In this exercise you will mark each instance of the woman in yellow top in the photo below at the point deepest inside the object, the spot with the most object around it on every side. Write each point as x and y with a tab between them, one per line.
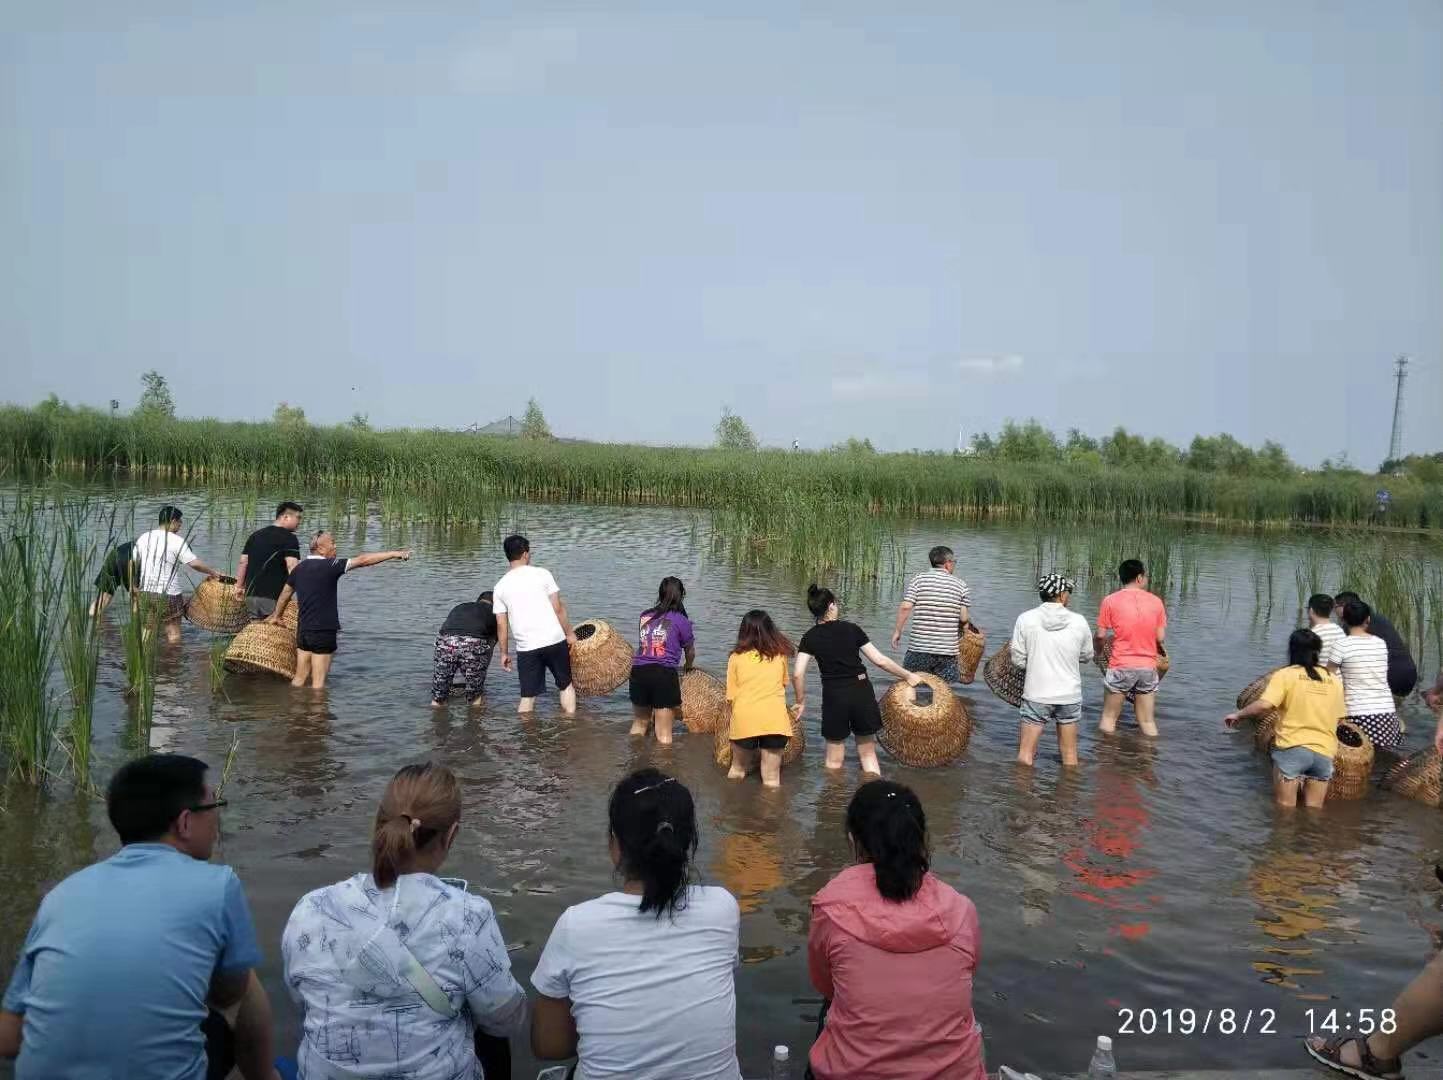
1310	704
757	691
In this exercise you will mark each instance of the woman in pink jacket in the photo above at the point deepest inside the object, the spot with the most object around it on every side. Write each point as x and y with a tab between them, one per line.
893	950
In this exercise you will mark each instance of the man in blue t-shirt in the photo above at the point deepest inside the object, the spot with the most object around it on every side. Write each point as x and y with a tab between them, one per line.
141	965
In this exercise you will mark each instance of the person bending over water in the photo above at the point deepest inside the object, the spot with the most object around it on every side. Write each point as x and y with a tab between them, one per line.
640	984
1136	621
1362	659
1052	643
1310	704
757	690
399	972
936	602
893	950
314	585
849	704
464	643
119	570
664	643
529	608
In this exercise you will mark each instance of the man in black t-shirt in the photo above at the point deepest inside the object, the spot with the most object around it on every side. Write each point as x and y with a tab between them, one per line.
314	583
269	556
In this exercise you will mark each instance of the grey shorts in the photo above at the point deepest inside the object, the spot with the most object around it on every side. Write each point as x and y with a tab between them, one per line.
1033	712
1302	763
260	606
1133	680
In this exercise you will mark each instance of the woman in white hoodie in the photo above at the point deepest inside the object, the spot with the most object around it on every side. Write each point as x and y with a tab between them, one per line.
1052	643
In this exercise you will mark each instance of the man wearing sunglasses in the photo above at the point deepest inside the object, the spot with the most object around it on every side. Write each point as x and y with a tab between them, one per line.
142	965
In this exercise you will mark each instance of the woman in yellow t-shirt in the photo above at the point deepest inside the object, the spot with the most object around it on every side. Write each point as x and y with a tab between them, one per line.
757	691
1310	705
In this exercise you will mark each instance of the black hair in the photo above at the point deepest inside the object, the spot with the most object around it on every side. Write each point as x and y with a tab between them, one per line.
669	596
147	795
1320	604
889	830
759	634
515	546
1343	597
819	600
1304	648
1356	613
169	513
939	555
653	822
485	598
1131	570
289	507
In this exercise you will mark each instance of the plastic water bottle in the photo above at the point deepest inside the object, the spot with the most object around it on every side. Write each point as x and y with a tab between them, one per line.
781	1064
1103	1067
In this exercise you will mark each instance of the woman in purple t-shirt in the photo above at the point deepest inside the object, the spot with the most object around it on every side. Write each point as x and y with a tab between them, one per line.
664	645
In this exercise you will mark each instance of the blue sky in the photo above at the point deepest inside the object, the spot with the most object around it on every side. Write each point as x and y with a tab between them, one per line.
1180	217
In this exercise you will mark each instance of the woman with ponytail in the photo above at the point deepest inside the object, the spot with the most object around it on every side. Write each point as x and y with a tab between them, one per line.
849	704
665	645
398	971
639	983
893	950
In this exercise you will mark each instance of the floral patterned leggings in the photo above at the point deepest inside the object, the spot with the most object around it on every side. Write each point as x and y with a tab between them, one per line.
470	654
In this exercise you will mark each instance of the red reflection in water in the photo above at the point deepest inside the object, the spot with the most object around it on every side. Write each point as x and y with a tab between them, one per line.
1112	839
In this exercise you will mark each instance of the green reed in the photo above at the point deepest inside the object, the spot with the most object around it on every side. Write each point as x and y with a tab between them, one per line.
79	645
32	604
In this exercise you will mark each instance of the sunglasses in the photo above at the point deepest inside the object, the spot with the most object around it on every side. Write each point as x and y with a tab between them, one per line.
202	807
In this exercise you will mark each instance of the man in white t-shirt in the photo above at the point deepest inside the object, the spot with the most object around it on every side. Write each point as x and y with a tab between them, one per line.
161	553
527	604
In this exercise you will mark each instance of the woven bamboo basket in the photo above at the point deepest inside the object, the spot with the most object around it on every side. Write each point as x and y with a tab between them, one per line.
925	736
263	648
1004	678
1352	764
291	617
1418	777
703	703
1265	724
971	646
722	743
600	659
214	607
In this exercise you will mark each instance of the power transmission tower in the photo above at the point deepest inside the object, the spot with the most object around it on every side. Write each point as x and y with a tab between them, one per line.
1395	445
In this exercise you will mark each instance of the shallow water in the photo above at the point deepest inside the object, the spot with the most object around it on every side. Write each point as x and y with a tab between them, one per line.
1156	876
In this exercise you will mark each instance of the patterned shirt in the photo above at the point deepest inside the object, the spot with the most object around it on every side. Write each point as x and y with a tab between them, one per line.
344	958
937	600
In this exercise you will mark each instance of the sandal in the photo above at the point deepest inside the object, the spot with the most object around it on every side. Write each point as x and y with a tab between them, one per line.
1329	1052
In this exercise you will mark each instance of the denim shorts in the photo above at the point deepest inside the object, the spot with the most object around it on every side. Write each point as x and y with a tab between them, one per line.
1302	763
1034	713
943	665
1131	680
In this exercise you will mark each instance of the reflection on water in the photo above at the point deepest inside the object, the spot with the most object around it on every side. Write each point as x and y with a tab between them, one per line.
1156	873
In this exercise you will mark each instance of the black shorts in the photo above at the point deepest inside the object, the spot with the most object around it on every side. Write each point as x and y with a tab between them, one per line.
532	666
655	686
115	574
849	708
762	742
316	641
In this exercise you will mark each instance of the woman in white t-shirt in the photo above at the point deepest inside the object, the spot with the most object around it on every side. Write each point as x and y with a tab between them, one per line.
1362	659
640	983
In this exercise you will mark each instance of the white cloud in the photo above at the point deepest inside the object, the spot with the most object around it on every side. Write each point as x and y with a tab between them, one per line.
990	365
898	386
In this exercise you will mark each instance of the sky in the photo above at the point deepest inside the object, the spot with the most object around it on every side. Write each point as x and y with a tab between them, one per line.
1181	217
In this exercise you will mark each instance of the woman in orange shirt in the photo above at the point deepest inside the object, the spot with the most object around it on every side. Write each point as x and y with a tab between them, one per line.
757	691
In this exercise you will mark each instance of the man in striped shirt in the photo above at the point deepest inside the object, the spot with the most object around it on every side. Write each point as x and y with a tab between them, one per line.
936	602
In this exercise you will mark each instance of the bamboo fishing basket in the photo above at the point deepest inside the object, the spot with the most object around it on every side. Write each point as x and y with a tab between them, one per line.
1265	725
925	736
703	703
1003	677
600	659
214	607
263	648
1418	777
1352	764
971	646
291	617
796	743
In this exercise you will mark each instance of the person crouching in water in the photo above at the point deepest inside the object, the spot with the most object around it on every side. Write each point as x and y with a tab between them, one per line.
665	645
757	690
849	704
1052	643
1310	703
464	642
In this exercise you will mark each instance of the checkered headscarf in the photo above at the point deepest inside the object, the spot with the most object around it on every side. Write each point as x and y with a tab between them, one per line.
1055	585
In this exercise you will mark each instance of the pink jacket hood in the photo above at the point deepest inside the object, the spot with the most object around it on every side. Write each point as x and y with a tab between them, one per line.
933	917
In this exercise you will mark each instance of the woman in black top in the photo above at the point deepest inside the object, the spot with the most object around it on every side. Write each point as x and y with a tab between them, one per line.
464	641
849	705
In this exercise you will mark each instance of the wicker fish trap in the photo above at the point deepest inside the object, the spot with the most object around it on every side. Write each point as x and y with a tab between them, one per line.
600	659
1352	764
703	703
796	743
1003	677
925	736
971	646
214	607
1418	777
263	648
1265	725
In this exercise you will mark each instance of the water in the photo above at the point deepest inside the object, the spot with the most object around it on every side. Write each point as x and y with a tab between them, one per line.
1155	877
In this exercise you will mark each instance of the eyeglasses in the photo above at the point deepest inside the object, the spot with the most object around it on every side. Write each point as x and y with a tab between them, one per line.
200	808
